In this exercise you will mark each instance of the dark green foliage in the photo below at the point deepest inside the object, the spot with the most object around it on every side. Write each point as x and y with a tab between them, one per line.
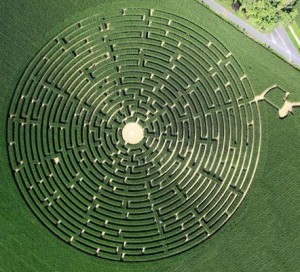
236	6
267	14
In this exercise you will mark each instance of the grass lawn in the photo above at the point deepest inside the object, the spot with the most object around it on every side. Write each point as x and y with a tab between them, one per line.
294	33
262	235
298	17
294	30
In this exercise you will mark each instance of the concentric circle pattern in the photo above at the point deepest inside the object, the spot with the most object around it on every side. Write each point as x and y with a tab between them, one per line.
163	195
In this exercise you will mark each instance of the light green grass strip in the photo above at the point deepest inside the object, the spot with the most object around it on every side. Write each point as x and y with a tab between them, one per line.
292	38
295	34
296	28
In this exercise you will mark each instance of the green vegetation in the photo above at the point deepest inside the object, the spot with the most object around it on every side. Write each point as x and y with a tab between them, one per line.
292	37
262	234
293	29
266	14
164	63
298	16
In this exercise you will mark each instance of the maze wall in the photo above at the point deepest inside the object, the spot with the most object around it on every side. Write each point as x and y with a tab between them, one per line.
159	197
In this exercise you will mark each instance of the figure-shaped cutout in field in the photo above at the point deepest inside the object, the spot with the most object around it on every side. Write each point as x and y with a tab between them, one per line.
278	98
114	195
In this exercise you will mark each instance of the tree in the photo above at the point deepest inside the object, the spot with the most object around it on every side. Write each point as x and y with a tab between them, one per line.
267	14
236	6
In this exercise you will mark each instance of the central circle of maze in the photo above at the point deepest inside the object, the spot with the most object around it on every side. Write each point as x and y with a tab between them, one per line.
176	187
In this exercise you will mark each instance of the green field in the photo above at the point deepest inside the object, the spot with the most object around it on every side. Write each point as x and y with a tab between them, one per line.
166	67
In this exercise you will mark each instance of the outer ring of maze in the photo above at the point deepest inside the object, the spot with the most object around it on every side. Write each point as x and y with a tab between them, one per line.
164	195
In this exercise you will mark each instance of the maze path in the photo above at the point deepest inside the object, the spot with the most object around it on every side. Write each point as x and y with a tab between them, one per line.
169	192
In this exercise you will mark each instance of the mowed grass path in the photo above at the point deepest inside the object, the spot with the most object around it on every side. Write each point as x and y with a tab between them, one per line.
261	236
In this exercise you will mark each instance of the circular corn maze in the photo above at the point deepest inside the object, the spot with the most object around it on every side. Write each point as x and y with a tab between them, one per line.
153	191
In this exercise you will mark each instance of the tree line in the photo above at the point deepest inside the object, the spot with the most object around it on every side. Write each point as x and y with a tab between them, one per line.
266	14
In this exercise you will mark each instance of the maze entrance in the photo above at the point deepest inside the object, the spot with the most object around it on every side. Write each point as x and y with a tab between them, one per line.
194	149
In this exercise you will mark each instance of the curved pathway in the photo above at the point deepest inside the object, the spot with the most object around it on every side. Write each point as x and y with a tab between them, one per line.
278	40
